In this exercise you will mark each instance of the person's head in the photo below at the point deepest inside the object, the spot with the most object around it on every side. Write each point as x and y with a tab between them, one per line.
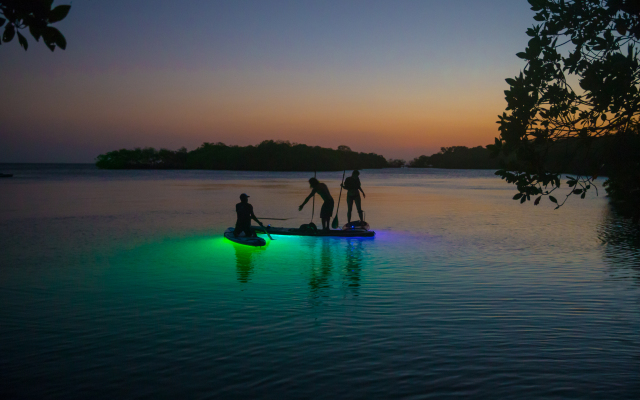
313	182
244	198
355	173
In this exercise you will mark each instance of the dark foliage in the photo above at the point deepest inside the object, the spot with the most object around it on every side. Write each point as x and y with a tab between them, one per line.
36	15
591	43
457	157
267	156
396	163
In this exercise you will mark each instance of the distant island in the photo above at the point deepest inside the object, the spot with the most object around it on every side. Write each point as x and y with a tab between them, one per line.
281	155
568	155
457	157
269	155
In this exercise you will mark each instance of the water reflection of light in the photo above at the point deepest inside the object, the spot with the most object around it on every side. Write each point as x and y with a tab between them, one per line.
320	272
621	238
353	267
244	264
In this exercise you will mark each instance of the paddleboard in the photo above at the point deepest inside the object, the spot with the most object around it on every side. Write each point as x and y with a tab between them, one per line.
356	226
320	233
242	239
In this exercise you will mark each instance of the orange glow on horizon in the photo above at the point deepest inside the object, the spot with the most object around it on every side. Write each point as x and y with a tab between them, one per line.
391	118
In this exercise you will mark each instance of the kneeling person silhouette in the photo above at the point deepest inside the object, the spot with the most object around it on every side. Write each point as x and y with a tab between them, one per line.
245	215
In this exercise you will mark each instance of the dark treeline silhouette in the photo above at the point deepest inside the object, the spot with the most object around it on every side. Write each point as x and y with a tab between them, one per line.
569	156
267	156
457	157
396	163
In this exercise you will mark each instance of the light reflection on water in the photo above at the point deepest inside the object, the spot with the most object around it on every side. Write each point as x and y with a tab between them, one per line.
119	283
621	239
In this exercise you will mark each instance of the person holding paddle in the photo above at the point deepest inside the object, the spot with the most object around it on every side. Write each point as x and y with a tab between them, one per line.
352	184
327	207
245	215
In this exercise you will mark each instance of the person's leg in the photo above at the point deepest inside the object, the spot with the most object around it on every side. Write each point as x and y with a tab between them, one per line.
359	207
237	230
349	207
330	214
325	214
242	228
248	232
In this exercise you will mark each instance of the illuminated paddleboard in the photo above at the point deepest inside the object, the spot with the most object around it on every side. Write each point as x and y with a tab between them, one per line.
320	233
242	239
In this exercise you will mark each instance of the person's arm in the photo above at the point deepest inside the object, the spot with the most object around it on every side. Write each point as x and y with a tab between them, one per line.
307	200
346	184
360	188
253	217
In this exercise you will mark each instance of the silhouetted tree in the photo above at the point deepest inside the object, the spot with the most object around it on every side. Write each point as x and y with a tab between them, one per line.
37	15
420	162
396	163
457	157
585	43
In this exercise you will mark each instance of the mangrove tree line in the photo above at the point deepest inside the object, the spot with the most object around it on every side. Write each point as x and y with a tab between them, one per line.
581	86
267	156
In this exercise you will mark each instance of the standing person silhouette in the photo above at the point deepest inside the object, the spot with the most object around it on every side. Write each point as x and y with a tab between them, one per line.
245	215
327	207
352	184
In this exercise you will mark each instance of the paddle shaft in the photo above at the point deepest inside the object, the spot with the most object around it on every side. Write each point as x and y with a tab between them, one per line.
335	220
313	207
265	230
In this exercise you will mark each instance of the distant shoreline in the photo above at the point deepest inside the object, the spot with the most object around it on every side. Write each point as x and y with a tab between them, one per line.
277	156
267	156
272	155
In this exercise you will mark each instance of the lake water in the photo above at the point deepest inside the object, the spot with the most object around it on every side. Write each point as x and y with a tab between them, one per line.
119	284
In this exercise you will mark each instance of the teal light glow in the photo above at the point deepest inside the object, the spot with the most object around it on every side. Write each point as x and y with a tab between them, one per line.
459	286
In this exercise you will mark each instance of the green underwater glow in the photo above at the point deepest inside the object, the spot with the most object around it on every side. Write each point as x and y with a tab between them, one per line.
459	289
201	262
217	260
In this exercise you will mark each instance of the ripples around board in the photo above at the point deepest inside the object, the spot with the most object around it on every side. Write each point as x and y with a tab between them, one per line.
122	286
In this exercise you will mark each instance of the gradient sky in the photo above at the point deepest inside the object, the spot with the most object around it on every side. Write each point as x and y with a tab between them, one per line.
399	78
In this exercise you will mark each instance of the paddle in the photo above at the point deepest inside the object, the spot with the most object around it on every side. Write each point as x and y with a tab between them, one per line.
265	230
335	222
313	208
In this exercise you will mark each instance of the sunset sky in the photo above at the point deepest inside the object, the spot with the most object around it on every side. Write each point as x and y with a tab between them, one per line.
399	78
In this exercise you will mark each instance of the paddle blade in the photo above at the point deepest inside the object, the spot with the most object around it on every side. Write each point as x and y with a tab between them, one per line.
335	222
265	231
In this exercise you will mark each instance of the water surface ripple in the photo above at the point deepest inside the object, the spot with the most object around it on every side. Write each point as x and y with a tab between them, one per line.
119	284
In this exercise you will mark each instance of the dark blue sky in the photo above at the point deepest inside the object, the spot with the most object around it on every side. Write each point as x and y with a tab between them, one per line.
401	78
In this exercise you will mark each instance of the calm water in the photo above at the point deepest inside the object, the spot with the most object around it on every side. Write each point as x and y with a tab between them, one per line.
119	284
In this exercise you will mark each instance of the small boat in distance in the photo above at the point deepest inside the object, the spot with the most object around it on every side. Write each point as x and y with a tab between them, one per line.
242	239
5	175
